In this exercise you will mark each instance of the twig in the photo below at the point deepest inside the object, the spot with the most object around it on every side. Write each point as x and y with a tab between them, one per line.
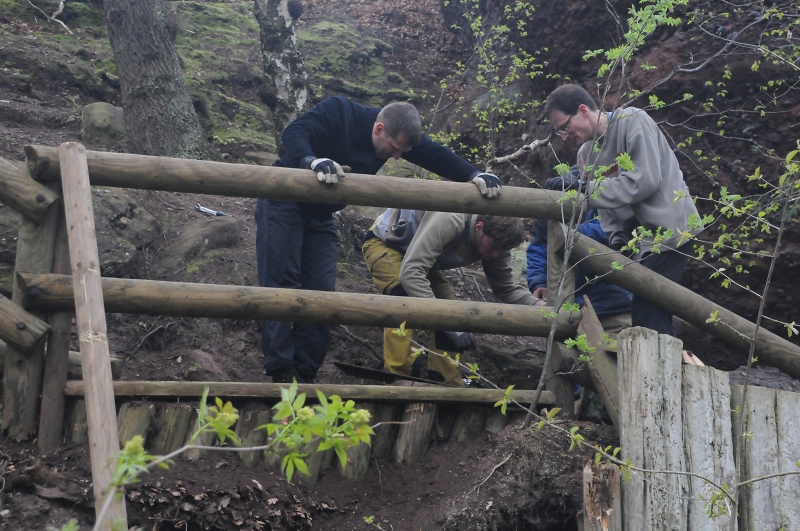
362	341
477	286
53	18
518	153
153	331
501	463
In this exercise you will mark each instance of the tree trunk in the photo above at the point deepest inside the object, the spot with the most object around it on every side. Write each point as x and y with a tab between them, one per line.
285	89
159	115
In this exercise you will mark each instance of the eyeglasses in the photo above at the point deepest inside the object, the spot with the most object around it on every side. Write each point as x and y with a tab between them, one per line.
563	129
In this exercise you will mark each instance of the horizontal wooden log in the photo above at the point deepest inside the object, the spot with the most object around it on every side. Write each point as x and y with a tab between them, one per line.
124	170
75	372
20	329
53	292
28	197
771	349
362	393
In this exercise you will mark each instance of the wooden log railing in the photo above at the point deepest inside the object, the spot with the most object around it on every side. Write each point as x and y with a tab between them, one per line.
54	292
243	180
359	393
684	303
23	194
20	329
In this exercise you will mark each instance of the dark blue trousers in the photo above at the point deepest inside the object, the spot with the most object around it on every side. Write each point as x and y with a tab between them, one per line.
670	264
294	251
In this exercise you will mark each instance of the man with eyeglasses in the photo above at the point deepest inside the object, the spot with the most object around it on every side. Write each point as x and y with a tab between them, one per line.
653	194
406	252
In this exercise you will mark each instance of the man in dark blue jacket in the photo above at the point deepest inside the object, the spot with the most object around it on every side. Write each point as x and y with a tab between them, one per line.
611	303
296	241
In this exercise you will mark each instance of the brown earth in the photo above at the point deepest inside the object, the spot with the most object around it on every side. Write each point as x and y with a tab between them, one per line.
457	485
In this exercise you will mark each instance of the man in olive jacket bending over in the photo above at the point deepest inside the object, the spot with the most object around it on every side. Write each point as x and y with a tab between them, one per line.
406	252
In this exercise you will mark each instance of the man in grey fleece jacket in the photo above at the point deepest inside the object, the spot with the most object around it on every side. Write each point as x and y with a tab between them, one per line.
652	194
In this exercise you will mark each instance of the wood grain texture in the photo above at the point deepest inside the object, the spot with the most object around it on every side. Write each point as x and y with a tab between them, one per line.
23	194
651	429
366	393
602	367
707	439
771	349
23	372
241	302
91	320
124	170
414	434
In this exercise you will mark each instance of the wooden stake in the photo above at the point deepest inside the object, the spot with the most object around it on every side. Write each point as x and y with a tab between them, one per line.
358	456
602	366
602	503
414	434
134	419
23	372
56	361
383	440
100	410
172	424
250	418
469	423
563	389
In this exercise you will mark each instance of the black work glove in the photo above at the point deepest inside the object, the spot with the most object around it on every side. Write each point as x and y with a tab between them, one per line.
618	241
456	341
568	181
327	171
488	184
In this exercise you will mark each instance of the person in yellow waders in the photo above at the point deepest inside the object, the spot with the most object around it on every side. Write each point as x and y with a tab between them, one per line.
406	252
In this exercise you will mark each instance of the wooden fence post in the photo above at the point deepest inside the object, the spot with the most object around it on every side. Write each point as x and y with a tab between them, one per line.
90	311
563	389
56	361
602	503
651	429
23	372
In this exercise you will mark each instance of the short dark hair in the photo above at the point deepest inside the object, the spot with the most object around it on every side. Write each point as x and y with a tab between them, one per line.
401	118
567	99
506	233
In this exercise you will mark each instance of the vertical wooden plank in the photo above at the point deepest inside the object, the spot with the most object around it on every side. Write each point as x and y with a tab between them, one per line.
708	442
77	430
250	418
172	425
56	361
414	432
204	439
651	429
358	456
602	504
788	422
90	312
760	501
602	367
469	423
22	376
383	440
563	389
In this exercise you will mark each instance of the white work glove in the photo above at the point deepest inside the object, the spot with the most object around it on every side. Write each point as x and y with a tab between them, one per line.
488	184
328	171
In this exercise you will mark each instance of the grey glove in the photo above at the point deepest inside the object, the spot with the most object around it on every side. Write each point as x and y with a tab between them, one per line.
461	341
488	184
328	171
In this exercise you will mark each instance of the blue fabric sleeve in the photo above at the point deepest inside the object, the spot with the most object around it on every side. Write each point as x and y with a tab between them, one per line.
536	269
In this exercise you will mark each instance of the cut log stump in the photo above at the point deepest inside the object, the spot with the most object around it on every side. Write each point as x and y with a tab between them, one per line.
414	432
